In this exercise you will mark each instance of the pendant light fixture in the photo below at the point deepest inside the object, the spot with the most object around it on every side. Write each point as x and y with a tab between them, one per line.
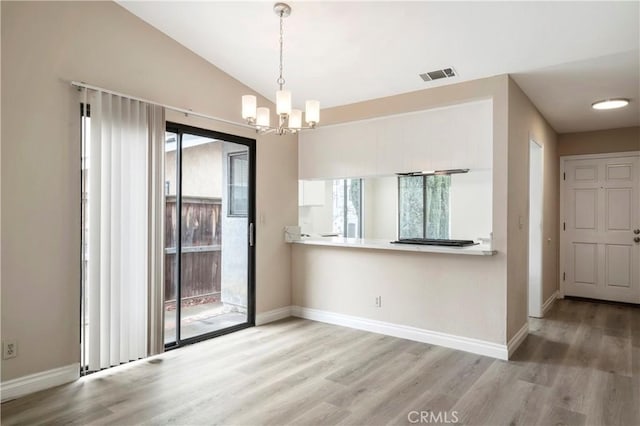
289	119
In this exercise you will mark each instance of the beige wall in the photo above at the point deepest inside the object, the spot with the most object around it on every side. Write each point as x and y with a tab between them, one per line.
461	295
44	46
600	141
201	170
526	123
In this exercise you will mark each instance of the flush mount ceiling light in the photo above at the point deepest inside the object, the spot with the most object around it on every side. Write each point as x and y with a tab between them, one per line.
610	103
289	120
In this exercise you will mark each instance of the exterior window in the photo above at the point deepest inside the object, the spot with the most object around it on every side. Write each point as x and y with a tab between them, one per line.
423	206
347	207
238	183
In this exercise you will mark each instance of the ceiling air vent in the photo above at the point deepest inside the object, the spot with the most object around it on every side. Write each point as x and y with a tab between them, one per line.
438	74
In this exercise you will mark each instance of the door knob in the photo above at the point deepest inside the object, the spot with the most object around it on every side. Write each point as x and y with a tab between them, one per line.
636	231
637	239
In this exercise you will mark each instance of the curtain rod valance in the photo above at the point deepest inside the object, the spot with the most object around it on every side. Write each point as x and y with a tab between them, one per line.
81	85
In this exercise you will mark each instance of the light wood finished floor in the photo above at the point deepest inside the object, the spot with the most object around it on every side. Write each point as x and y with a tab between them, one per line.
579	366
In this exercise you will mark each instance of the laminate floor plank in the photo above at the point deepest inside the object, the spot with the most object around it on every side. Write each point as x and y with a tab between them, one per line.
280	410
360	366
492	396
221	400
615	357
611	400
369	391
275	385
534	406
322	414
577	371
579	366
404	392
437	408
561	416
374	383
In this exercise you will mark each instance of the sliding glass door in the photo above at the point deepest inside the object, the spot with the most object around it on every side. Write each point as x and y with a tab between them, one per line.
209	216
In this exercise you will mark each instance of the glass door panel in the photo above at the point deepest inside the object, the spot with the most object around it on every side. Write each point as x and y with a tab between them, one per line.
211	276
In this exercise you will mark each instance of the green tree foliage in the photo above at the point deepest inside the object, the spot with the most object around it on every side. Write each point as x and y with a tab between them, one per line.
420	221
355	195
411	206
438	206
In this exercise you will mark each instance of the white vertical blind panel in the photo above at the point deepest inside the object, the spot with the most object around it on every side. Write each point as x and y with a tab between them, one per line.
118	235
111	317
105	230
155	276
94	253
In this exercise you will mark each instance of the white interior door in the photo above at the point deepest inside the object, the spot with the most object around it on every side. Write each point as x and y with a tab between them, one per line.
601	228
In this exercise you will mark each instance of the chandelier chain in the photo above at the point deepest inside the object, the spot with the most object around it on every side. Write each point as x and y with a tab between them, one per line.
281	79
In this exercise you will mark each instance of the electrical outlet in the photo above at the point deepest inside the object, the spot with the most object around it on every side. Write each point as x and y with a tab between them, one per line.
378	301
9	349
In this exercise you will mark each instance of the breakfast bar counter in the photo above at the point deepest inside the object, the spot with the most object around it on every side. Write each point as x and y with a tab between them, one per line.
365	243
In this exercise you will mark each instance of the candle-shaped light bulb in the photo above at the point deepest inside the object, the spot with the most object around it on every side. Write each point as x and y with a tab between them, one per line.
249	107
263	116
312	112
283	102
295	119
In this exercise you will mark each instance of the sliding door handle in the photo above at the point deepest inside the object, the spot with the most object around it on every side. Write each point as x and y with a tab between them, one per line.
251	235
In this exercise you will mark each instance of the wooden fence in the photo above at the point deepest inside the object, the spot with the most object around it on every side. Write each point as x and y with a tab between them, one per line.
201	242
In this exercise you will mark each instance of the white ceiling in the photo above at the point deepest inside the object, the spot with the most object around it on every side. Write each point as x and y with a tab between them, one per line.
564	55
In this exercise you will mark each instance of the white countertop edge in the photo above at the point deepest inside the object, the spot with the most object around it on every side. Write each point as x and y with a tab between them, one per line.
477	250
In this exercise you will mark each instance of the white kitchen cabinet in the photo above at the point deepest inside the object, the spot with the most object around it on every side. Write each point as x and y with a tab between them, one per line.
311	192
457	136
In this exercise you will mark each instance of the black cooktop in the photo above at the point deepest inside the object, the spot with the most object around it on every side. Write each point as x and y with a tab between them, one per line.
434	242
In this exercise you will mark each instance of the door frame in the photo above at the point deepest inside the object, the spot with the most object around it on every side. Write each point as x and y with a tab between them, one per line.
537	289
563	196
179	128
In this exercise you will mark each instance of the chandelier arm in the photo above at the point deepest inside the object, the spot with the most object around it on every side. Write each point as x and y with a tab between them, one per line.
265	130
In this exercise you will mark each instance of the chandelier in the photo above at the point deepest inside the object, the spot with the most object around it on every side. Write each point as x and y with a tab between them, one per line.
289	119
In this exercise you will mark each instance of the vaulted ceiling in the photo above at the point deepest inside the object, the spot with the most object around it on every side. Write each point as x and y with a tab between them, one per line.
564	55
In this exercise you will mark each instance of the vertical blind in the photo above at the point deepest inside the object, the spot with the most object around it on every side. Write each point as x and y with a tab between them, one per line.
120	201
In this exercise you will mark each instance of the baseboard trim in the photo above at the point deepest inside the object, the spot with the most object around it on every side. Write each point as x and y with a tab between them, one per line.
517	340
15	388
549	303
466	344
273	315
